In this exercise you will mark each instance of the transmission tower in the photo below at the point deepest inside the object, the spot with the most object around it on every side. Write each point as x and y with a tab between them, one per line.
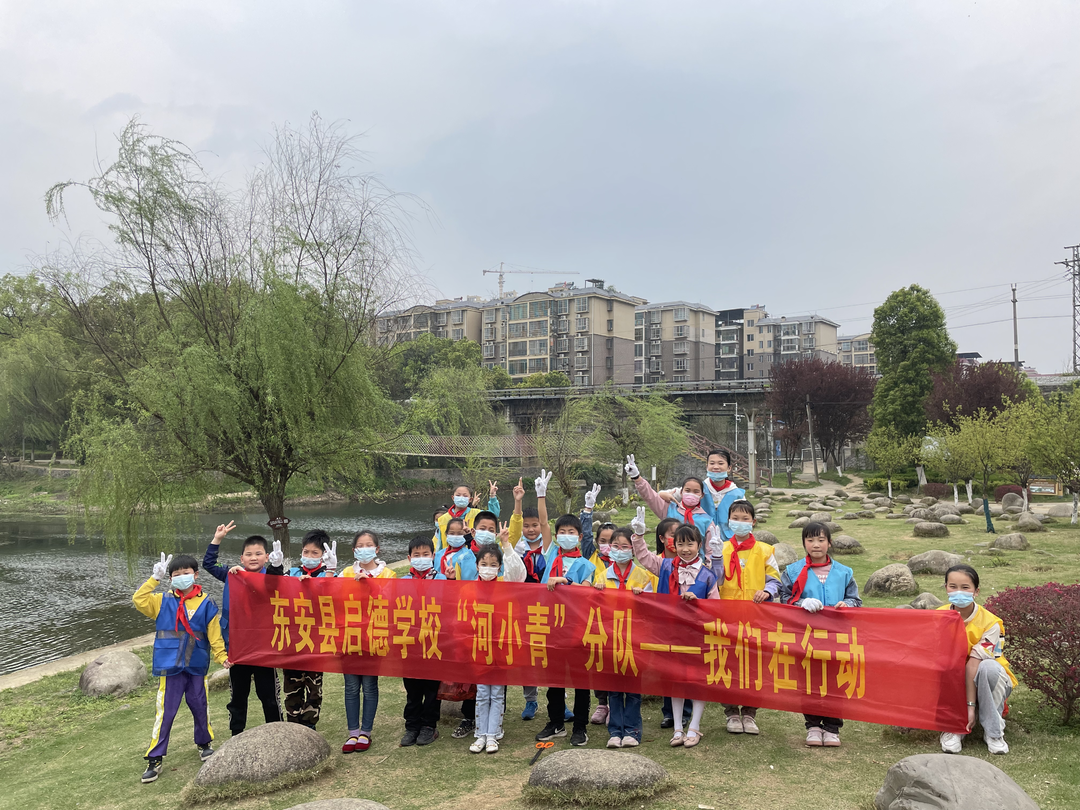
1073	267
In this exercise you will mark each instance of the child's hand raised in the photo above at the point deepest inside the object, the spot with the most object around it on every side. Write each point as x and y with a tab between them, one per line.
452	573
493	489
631	467
161	567
222	530
236	569
541	483
638	523
504	534
591	495
476	499
519	491
276	558
329	557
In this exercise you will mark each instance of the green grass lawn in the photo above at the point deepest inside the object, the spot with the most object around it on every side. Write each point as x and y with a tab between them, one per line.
59	749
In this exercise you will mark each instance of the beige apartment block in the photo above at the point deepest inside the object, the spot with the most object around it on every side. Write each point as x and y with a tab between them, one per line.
674	341
768	341
857	351
456	319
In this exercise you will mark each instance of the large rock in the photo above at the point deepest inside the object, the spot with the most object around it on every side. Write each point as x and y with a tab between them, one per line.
1011	542
898	516
949	782
933	562
951	520
1059	510
926	601
785	555
821	517
798	523
1028	522
845	544
850	516
218	680
340	804
117	672
892	580
940	509
1010	499
587	775
923	514
869	514
268	753
927	529
765	537
966	509
902	499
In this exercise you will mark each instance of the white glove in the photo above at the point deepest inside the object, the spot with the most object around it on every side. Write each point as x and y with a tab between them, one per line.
522	547
590	496
638	523
811	605
677	495
329	557
631	467
161	567
276	557
541	483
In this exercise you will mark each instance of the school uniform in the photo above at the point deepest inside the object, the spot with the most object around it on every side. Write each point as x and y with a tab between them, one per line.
368	683
698	516
468	514
717	502
188	635
577	569
241	676
535	565
422	704
624	708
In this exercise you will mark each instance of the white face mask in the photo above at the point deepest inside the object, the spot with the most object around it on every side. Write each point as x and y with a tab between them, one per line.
487	572
455	540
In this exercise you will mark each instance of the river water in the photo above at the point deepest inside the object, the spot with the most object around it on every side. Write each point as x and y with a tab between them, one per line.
60	596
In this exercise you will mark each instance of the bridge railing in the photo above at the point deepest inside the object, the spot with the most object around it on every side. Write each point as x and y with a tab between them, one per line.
745	386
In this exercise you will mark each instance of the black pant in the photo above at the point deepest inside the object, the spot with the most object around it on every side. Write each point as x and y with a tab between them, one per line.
556	706
829	724
669	712
601	697
468	709
266	687
422	705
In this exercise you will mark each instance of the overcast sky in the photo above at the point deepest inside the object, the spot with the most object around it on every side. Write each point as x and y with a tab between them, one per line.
808	156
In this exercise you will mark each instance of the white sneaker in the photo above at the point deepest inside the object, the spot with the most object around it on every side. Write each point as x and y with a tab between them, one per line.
749	725
734	724
950	743
492	745
479	743
630	742
614	742
997	745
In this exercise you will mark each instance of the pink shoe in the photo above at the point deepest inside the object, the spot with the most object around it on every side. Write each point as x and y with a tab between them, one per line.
599	717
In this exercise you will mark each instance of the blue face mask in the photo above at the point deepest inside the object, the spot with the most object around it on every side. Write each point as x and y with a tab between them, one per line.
741	527
182	582
961	598
365	554
461	501
422	563
311	563
717	476
621	555
567	542
484	537
455	540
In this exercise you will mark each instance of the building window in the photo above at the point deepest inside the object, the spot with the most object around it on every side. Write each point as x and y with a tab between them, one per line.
581	379
610	305
562	364
845	346
808	327
639	333
537	364
581	304
862	359
516	330
654	348
749	366
440	319
518	367
581	361
790	345
562	345
750	323
609	343
459	316
680	347
420	321
489	333
680	313
539	347
680	364
639	350
639	319
518	312
861	345
611	325
655	333
560	307
682	331
655	316
749	352
654	366
871	359
761	344
609	362
581	324
678	378
490	315
489	350
845	359
563	325
538	328
581	344
457	334
639	366
519	348
538	309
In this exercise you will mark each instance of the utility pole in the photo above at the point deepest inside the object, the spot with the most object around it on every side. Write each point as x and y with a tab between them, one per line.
751	448
810	426
1016	340
1073	267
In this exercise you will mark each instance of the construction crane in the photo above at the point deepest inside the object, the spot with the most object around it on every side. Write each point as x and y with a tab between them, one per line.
501	272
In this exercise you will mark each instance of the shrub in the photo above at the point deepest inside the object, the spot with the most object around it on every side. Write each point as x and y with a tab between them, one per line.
938	491
1000	492
881	483
1042	632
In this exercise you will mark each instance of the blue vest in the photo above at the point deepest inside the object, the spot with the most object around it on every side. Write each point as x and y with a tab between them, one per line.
835	583
300	571
702	520
705	582
719	510
463	556
175	651
575	569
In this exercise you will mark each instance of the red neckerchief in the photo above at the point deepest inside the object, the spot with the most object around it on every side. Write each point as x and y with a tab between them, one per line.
673	578
181	611
454	512
314	572
557	565
421	574
735	567
800	583
727	483
688	515
450	550
530	564
623	577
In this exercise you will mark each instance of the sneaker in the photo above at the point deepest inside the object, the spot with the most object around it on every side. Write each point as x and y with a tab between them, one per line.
734	724
830	740
614	742
530	710
492	745
363	742
479	744
568	714
427	735
579	737
499	736
997	745
630	742
465	728
350	745
153	770
749	725
950	743
409	738
599	717
205	752
667	722
814	738
550	732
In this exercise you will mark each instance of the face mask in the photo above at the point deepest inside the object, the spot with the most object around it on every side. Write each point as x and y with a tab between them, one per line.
311	562
183	581
365	554
690	500
455	540
717	476
484	537
741	527
959	598
487	572
567	542
605	549
421	563
621	555
461	501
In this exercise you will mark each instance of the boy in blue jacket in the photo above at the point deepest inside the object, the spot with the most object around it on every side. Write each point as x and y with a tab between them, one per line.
253	557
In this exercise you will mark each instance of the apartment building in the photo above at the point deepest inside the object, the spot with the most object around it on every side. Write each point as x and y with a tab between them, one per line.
456	319
674	341
768	341
728	360
857	351
587	333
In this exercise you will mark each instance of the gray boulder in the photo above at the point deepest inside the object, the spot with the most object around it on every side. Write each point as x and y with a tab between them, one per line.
902	499
965	509
882	501
793	513
933	562
268	753
977	504
940	509
798	523
1011	542
892	580
850	516
926	601
340	804
785	555
898	516
765	537
931	530
218	680
869	514
949	782
834	527
116	672
1059	510
914	521
1028	522
821	517
923	514
845	544
1011	499
951	520
586	775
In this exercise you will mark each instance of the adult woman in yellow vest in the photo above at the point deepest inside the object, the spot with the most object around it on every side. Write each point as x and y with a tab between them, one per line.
987	675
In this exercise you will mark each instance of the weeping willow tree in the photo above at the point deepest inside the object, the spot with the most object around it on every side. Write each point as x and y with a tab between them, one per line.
230	331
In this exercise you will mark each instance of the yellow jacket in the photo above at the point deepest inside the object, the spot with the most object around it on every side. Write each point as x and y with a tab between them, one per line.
148	603
757	564
640	577
386	573
986	637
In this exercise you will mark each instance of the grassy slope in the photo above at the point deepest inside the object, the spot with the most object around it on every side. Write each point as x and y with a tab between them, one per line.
72	751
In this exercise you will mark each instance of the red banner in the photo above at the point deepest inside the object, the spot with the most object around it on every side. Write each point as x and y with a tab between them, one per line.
898	667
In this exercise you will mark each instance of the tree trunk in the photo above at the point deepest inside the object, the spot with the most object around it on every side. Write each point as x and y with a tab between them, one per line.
955	493
1076	501
1025	498
890	487
986	508
970	498
274	503
790	483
